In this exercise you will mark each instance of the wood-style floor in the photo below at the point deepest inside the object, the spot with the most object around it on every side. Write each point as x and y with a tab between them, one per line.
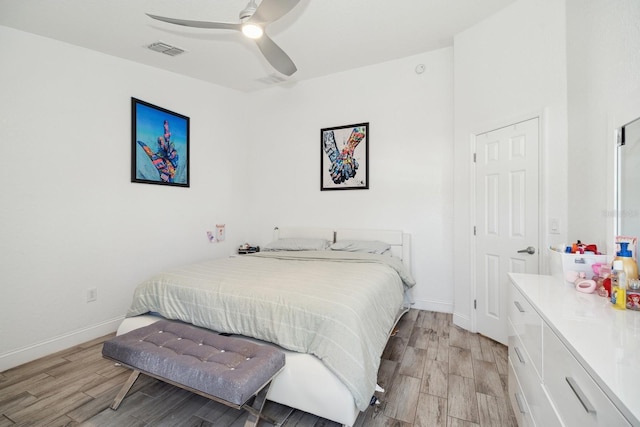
434	374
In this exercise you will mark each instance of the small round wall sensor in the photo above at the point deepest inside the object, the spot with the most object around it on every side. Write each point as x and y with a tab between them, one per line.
419	68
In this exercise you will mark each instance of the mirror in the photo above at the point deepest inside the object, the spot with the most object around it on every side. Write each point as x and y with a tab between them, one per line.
628	179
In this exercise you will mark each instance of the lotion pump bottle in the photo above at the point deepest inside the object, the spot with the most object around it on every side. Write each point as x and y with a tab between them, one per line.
629	265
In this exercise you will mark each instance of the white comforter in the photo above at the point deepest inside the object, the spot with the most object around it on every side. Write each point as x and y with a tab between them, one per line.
338	306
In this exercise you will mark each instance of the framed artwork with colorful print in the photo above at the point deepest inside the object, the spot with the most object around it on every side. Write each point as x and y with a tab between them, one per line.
344	152
159	145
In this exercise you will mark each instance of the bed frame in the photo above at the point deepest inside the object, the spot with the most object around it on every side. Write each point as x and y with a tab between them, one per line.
400	242
321	393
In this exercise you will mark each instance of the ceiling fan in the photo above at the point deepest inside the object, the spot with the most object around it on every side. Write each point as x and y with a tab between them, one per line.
253	20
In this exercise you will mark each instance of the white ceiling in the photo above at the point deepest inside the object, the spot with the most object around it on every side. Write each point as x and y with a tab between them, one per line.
321	37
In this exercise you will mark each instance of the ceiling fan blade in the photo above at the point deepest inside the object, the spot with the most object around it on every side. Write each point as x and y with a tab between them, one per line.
197	24
276	56
272	10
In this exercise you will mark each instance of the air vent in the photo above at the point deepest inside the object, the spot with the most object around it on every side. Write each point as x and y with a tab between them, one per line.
165	48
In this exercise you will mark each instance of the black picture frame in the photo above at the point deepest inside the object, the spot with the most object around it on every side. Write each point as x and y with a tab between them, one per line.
344	157
159	145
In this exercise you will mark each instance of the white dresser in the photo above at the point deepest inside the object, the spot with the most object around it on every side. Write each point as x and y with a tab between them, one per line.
574	360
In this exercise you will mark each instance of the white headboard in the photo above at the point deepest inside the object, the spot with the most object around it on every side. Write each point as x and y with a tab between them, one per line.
400	242
300	232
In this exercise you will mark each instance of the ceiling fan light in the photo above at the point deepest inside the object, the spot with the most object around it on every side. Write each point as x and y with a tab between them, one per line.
252	31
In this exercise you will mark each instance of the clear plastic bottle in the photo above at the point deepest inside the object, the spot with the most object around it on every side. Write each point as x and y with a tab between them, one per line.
618	285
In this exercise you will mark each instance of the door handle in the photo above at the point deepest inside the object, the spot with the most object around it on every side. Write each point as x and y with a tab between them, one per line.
580	395
530	250
519	306
521	405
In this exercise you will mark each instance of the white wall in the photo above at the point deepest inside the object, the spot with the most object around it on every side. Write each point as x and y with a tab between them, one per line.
603	63
70	219
410	119
507	68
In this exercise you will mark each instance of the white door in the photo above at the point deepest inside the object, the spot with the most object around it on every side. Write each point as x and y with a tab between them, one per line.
506	219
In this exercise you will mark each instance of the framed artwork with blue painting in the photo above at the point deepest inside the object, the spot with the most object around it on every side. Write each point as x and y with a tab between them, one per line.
344	152
159	145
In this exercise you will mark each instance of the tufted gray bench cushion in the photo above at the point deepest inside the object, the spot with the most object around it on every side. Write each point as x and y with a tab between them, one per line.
229	369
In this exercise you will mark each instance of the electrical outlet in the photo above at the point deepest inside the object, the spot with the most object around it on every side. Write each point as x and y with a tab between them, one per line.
92	294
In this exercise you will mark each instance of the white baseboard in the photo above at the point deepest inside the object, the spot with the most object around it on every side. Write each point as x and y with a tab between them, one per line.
26	354
431	305
463	321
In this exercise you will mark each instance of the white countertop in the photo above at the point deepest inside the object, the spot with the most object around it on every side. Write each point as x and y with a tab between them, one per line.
605	340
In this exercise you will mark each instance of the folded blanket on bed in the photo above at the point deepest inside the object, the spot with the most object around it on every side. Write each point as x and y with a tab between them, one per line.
337	306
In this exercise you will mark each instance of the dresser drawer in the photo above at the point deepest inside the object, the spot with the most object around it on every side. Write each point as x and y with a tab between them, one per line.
527	324
530	383
578	399
518	400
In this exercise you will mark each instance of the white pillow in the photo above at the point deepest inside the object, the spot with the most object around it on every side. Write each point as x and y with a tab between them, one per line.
297	244
369	246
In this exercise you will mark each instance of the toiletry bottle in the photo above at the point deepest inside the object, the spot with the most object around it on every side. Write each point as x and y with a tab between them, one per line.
606	284
629	265
604	281
618	285
614	285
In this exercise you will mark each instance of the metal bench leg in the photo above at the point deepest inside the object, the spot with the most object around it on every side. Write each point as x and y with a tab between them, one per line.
255	410
125	389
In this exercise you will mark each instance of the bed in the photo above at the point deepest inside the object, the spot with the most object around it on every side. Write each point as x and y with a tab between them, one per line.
329	298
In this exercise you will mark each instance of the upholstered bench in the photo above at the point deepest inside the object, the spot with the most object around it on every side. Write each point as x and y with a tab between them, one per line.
226	369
